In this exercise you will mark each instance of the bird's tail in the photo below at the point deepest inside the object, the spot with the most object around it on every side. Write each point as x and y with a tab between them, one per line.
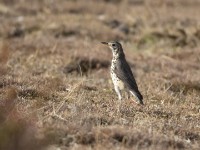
138	96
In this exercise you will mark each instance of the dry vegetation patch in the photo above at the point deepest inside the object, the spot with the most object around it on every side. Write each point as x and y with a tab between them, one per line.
55	86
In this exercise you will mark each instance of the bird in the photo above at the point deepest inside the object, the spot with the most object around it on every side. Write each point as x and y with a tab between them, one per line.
121	73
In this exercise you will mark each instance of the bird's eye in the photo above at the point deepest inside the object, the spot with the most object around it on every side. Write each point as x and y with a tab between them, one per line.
113	45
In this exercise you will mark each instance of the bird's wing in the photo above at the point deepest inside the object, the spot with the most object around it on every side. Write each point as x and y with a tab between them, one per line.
124	73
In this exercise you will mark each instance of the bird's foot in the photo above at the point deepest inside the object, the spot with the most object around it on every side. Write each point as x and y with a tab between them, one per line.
135	103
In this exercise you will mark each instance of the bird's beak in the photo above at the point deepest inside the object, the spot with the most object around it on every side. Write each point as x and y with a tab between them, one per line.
105	43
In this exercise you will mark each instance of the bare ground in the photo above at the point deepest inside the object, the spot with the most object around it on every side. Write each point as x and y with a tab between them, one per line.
55	86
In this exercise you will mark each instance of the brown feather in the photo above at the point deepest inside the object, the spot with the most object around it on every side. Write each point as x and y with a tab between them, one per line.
124	73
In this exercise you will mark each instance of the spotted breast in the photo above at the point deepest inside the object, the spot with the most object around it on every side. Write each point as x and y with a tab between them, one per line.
116	81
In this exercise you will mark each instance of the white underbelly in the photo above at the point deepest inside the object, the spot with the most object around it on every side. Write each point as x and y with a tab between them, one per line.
117	82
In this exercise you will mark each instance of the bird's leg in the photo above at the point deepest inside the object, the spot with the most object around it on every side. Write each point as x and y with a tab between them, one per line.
128	93
136	100
118	91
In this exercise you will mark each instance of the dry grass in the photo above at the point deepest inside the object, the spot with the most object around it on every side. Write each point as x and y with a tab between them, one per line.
55	85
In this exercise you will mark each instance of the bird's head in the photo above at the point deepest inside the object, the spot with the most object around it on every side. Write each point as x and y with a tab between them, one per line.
115	46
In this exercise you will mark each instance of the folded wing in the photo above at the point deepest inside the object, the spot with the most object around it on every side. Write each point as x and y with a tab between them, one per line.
125	74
